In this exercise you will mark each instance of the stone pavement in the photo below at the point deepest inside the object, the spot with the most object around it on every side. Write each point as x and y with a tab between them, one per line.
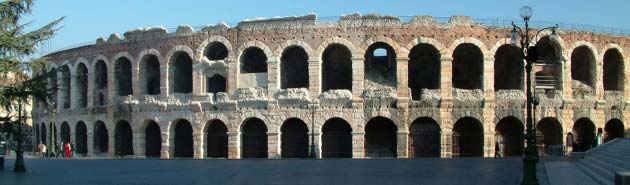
468	171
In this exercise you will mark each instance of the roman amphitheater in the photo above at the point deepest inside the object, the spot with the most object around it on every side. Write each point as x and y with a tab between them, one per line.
354	86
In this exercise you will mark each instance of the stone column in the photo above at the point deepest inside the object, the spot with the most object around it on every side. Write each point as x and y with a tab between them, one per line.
358	76
139	144
198	145
314	78
488	78
90	143
273	74
446	75
402	80
138	88
232	76
446	150
197	85
273	145
565	79
164	80
318	150
74	93
90	90
402	144
60	99
165	153
111	144
358	145
233	145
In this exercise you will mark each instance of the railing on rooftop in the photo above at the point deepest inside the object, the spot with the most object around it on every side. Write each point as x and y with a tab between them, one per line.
489	22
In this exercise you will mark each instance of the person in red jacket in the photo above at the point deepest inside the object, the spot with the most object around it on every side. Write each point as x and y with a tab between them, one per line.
66	148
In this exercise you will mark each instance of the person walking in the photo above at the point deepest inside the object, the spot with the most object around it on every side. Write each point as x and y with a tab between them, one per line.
43	150
570	142
71	149
66	148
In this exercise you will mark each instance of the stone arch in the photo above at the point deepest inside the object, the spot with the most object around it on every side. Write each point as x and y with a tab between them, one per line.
253	44
548	135
181	138
614	128
254	138
381	138
470	40
101	138
296	43
584	63
82	81
149	77
613	73
65	133
294	72
400	51
175	51
468	66
101	80
508	68
123	139
424	68
468	138
424	138
180	73
379	65
584	131
294	139
336	139
123	74
336	40
216	139
509	136
152	138
253	60
81	138
336	68
201	48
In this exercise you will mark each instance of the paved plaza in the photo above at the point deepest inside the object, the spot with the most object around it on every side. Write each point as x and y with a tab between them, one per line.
467	171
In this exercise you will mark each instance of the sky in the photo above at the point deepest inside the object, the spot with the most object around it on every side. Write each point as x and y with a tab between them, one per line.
87	20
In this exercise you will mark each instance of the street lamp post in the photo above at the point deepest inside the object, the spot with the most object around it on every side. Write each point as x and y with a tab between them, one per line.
312	149
19	154
530	55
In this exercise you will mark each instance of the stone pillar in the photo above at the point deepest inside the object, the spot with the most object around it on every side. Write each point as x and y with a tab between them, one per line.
90	142
139	144
446	150
233	145
565	78
138	88
273	83
90	90
232	76
60	99
314	78
273	145
164	69
358	76
74	93
165	153
316	137
489	143
488	78
198	145
402	144
446	75
402	80
111	144
358	145
197	85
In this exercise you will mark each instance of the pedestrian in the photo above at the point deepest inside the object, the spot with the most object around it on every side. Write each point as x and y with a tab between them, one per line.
59	150
497	150
66	149
71	149
576	145
599	136
39	150
43	150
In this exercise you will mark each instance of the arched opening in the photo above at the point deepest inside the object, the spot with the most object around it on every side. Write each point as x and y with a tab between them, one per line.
183	139
380	138
153	140
100	83
424	69
424	138
583	66
151	72
37	134
123	77
548	136
613	70
508	68
65	133
42	134
467	67
294	68
123	138
614	129
81	138
584	130
253	60
101	138
509	137
254	139
380	65
217	139
65	86
468	138
215	84
82	85
216	51
294	139
182	73
336	68
52	84
336	139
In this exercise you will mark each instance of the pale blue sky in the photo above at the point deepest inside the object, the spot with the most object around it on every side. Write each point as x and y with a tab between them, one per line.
86	20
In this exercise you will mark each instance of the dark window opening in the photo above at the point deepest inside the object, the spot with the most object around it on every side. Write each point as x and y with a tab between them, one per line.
151	71
424	69
100	83
467	138
81	138
65	86
583	65
183	140
336	68
584	131
614	129
380	138
424	138
53	85
65	133
548	135
82	82
613	70
123	77
217	140
380	64
182	68
294	68
508	68
215	84
294	139
43	136
123	139
216	51
254	139
101	138
509	137
336	139
467	67
253	60
153	140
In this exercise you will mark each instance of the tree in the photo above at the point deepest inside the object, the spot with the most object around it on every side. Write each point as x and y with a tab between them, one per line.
17	49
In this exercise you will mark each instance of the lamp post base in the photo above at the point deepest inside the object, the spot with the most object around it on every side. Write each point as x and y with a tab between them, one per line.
529	167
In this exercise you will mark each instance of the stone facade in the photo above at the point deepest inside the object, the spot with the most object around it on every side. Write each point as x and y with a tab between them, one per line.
245	97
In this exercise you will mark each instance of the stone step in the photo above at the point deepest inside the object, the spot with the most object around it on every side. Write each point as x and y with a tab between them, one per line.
597	178
610	167
623	157
614	161
606	173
